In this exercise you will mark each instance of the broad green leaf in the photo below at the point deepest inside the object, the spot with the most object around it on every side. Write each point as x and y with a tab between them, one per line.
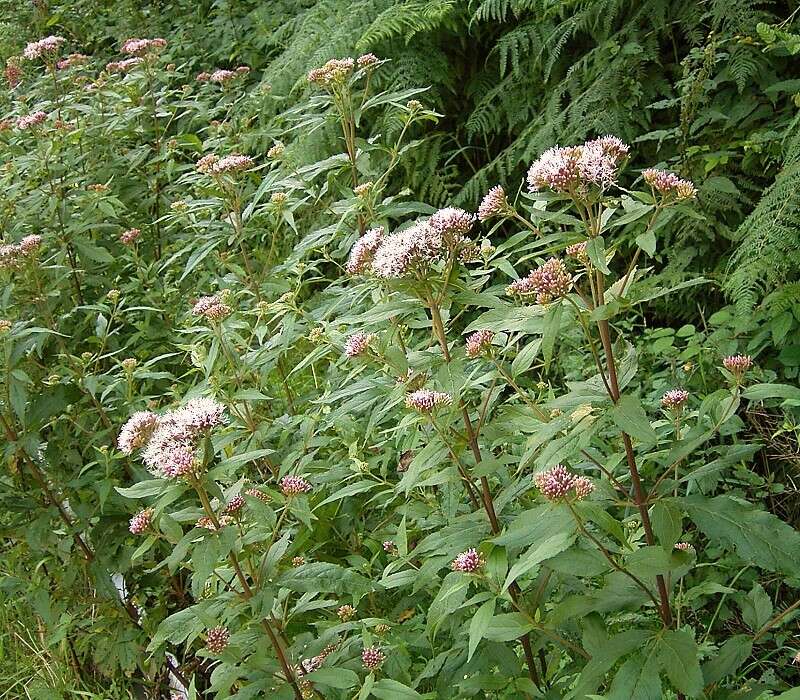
677	653
647	242
504	628
608	653
758	537
334	677
525	358
730	657
596	250
537	553
550	331
629	416
479	624
756	607
351	490
637	679
388	689
759	392
667	521
143	489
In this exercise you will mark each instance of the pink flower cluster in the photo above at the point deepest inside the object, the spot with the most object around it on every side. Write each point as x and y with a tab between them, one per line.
453	225
334	72
235	504
548	282
479	342
212	164
141	521
576	169
217	639
170	440
558	482
129	237
669	185
363	251
211	307
256	493
124	66
425	400
578	251
74	59
495	203
293	485
405	251
372	658
141	47
467	562
28	121
44	47
14	255
737	365
357	343
368	61
684	547
674	399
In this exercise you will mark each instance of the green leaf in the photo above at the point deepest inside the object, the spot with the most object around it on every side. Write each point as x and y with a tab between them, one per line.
504	628
637	679
524	359
630	417
351	490
537	553
758	537
756	607
550	331
677	653
731	656
537	524
647	242
334	677
479	624
596	250
667	521
759	392
143	489
606	656
388	689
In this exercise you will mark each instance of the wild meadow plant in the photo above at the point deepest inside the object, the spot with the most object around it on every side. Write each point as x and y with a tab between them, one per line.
275	429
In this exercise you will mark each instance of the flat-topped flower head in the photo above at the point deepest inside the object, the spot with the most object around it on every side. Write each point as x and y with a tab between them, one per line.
372	658
234	163
425	400
674	399
467	562
124	66
211	307
28	121
479	342
29	244
142	47
684	547
206	163
369	61
130	236
669	185
494	204
259	494
346	613
453	225
136	431
363	251
74	59
357	344
404	252
738	365
298	561
558	483
276	151
201	414
333	73
292	485
222	76
217	639
141	521
549	282
43	48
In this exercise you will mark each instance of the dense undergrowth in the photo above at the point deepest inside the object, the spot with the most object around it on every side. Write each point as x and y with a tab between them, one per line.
283	418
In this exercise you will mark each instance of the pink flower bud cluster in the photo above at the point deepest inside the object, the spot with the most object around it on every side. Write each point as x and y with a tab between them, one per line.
14	255
235	504
211	307
346	613
548	282
222	75
479	342
334	72
425	400
494	204
737	364
406	251
142	47
293	485
207	522
577	169
372	658
452	225
170	440
674	399
357	344
257	493
28	121
124	66
129	237
390	547
578	251
467	562
684	547
557	483
669	185
368	61
234	163
141	521
363	251
74	59
217	639
44	47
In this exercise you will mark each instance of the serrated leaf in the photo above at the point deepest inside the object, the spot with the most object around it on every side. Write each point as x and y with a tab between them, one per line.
388	689
504	628
730	657
630	417
537	553
677	653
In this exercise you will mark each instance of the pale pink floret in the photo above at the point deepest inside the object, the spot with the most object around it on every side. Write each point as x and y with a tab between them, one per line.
136	431
235	504
494	204
124	66
294	485
548	282
669	185
141	521
357	344
30	243
363	251
372	658
738	364
558	482
684	546
408	250
425	400
479	342
221	75
674	399
452	224
129	237
467	562
28	121
217	639
212	308
140	47
44	47
368	61
234	163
